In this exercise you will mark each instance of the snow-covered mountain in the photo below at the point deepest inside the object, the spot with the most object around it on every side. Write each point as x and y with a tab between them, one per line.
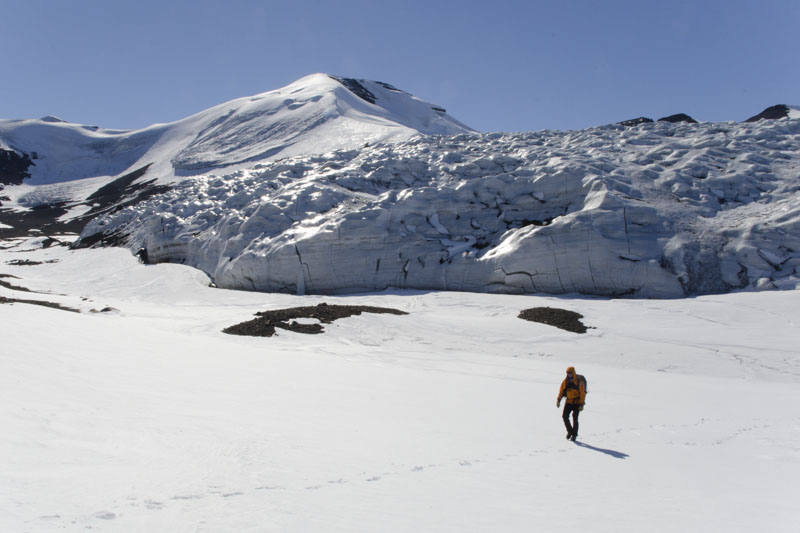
777	112
334	185
73	172
315	114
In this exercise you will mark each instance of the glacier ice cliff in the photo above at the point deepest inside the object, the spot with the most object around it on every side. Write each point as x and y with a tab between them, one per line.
656	210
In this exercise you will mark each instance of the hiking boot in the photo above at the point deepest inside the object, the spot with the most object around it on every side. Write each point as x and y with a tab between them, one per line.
573	437
569	436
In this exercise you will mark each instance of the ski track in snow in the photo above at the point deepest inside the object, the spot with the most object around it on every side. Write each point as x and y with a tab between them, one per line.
214	491
186	502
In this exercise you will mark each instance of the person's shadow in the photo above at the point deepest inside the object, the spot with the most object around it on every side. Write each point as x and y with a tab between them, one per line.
612	453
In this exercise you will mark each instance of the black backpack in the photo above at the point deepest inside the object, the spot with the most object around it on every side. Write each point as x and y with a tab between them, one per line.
582	379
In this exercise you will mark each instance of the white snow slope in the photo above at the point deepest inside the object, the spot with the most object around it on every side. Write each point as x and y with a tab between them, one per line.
148	418
657	210
315	114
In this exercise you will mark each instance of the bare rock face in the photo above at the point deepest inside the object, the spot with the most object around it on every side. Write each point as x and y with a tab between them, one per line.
678	117
635	121
13	167
661	210
771	113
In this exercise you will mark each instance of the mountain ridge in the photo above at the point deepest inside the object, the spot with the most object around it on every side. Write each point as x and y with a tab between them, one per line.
265	126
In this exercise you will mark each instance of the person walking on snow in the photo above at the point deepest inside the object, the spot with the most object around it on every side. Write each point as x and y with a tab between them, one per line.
573	388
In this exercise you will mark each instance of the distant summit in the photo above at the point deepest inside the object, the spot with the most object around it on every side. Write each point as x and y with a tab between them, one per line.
635	121
678	117
776	112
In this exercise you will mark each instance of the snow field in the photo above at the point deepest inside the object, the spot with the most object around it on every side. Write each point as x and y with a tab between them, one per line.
148	418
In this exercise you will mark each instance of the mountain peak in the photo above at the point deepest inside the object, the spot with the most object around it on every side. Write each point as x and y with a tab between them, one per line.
315	114
775	112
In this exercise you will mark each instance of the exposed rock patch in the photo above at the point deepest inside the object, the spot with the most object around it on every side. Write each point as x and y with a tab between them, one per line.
51	218
771	113
28	262
40	219
267	321
560	318
358	89
14	167
11	286
52	305
678	117
635	121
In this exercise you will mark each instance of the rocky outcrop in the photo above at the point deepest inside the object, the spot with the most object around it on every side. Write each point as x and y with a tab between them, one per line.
771	113
678	117
635	121
14	167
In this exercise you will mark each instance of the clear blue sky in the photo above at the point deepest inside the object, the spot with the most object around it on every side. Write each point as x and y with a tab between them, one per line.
495	65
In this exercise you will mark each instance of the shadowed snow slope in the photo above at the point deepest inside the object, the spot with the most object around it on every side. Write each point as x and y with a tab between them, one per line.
656	210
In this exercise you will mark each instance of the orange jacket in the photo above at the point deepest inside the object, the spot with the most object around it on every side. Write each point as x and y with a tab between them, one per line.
574	390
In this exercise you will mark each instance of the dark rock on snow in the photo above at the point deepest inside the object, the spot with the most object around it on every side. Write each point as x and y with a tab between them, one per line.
771	113
14	167
267	321
560	318
635	121
678	117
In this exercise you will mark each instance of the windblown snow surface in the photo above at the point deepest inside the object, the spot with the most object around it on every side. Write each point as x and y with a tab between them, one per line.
657	210
145	417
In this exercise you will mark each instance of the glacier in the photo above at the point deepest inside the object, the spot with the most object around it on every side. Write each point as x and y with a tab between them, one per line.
658	210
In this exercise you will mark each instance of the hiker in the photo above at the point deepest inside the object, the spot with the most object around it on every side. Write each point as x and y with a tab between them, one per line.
141	253
573	388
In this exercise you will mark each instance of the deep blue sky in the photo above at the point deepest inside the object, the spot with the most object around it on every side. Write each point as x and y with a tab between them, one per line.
495	65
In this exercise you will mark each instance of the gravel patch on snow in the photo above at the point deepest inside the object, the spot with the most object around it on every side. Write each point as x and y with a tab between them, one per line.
560	318
53	305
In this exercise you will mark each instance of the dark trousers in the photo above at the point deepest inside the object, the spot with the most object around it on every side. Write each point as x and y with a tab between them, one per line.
575	409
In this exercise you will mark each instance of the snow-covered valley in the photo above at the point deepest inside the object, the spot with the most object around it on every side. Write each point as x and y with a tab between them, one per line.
143	416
